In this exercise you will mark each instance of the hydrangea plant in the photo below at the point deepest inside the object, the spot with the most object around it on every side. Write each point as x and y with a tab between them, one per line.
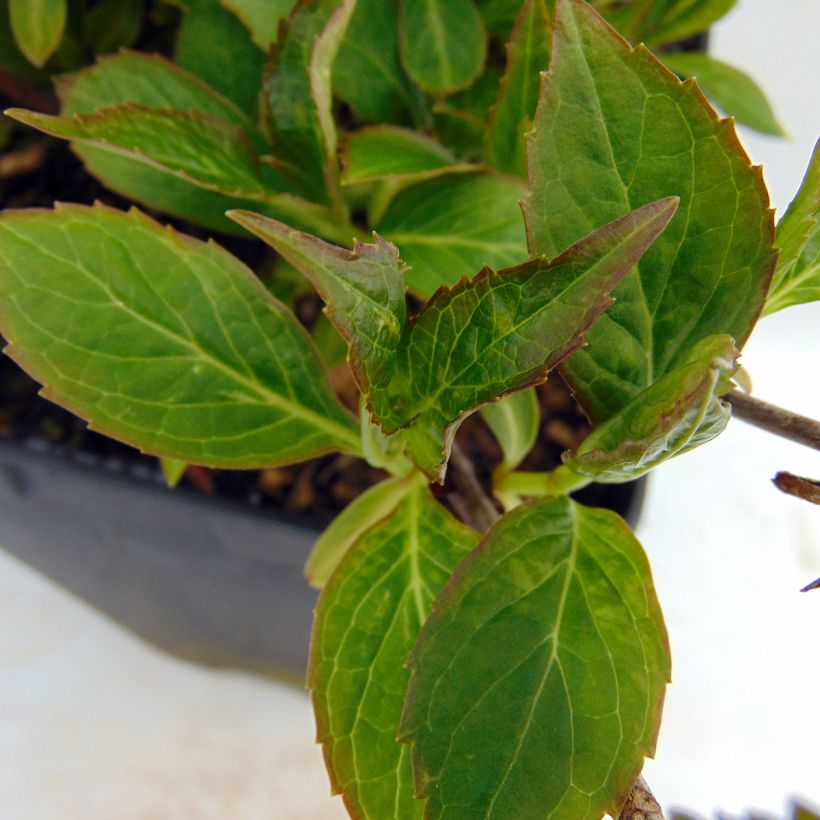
598	218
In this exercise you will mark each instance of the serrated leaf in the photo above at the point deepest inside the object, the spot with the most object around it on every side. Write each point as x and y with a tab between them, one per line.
452	226
364	512
215	46
387	152
730	89
514	421
363	289
199	148
614	128
162	341
511	117
261	17
501	332
151	81
538	680
38	27
371	49
672	416
297	92
797	275
443	43
173	470
366	622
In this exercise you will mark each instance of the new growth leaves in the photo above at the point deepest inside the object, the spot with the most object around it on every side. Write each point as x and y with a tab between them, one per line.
491	335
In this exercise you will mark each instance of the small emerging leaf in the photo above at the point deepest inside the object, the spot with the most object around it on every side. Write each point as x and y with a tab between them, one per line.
162	341
373	505
454	225
501	332
387	152
367	620
528	55
443	43
173	470
797	275
734	92
672	416
514	420
538	680
38	27
363	289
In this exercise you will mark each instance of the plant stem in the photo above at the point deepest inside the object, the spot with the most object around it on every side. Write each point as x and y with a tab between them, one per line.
774	419
559	481
641	803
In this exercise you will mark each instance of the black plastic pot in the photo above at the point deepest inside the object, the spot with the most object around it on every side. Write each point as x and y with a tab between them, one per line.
206	580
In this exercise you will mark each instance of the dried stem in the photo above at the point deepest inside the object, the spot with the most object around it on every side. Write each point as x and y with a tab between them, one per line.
479	507
776	420
641	804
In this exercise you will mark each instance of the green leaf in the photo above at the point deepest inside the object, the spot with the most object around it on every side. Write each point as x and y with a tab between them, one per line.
366	622
515	421
151	81
38	27
371	50
797	275
615	129
363	289
511	117
162	341
387	152
173	470
214	45
380	450
538	680
677	413
261	17
199	148
451	226
734	92
297	92
501	332
803	813
443	43
372	506
113	24
669	21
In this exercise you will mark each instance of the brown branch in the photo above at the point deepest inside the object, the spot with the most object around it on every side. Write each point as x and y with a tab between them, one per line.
806	488
774	419
641	804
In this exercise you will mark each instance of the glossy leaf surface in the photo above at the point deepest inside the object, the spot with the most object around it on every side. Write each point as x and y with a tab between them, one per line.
443	43
797	275
538	680
615	129
734	92
155	83
38	27
261	17
367	620
363	289
514	420
678	412
214	45
452	226
388	152
162	341
371	49
364	512
511	117
198	148
501	332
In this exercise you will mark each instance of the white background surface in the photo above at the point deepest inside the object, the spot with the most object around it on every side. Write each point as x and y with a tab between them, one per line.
94	725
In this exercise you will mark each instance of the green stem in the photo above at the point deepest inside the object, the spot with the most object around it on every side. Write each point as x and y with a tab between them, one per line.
559	481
